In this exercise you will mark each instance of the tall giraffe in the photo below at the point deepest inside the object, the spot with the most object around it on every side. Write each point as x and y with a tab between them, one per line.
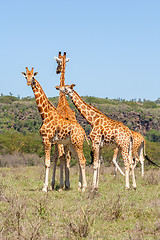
57	129
65	111
105	132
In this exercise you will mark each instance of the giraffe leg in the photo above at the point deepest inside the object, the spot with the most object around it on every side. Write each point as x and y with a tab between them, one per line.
67	168
78	152
55	157
82	162
127	166
47	146
99	164
133	177
80	178
96	166
132	167
142	160
62	164
115	161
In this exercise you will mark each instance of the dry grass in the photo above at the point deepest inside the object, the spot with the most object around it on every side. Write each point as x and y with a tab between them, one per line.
111	213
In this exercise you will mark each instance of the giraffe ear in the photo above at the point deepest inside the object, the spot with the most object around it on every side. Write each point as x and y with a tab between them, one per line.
72	86
58	60
23	73
35	73
57	87
67	59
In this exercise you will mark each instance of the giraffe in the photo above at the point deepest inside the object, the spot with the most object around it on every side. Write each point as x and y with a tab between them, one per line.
65	111
57	129
105	132
139	146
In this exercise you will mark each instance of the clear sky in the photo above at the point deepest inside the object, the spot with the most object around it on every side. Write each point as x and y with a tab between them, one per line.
113	46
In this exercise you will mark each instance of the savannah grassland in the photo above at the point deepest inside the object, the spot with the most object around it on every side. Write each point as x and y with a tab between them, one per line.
111	213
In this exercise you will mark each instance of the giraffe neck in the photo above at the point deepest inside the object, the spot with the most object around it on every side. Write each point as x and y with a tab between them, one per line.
62	77
86	110
43	104
62	96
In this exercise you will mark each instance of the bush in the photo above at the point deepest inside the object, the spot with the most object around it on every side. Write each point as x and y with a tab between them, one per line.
153	135
149	104
8	99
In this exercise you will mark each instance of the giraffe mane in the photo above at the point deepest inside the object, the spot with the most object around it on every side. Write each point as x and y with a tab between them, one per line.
91	107
51	104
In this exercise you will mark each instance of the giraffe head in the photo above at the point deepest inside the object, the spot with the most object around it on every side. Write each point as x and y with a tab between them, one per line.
61	60
67	89
29	75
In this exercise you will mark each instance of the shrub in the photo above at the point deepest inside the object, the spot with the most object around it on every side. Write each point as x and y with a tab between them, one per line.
149	104
153	135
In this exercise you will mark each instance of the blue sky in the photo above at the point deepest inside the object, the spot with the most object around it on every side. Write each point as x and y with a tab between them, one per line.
113	46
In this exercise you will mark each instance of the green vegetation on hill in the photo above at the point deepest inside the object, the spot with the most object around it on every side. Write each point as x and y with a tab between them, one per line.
20	122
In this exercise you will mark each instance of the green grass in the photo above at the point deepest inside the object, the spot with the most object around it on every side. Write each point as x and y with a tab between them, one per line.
111	213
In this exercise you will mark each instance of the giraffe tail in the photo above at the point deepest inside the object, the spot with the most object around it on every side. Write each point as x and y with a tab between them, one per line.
151	161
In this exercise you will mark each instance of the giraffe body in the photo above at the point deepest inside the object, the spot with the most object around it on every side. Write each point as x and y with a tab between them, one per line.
105	132
56	129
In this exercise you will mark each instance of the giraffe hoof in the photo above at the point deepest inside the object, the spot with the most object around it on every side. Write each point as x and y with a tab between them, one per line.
60	190
95	189
83	189
52	185
45	189
134	187
127	188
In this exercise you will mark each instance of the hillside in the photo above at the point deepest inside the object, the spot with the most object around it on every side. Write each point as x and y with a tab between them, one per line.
21	115
20	122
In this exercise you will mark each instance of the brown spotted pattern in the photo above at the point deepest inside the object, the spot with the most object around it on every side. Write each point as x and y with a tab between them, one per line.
57	129
105	132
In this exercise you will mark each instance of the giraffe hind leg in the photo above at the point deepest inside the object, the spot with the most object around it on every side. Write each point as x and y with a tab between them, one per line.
67	169
55	159
115	161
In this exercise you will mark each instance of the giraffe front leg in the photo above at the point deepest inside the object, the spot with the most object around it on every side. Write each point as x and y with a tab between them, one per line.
82	163
47	146
96	166
80	178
